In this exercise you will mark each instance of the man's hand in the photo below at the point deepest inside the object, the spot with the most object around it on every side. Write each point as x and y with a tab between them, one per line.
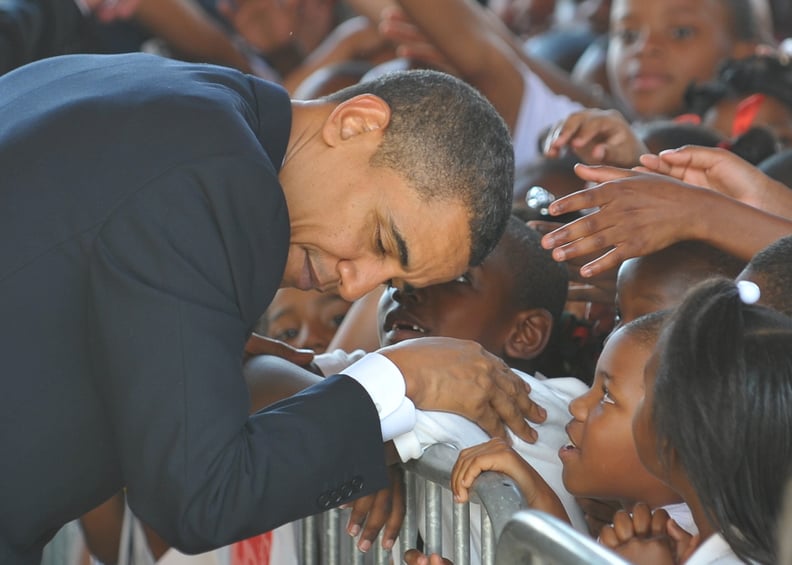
460	376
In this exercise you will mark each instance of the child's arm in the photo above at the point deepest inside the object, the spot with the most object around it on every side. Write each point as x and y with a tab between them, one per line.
497	455
640	213
460	31
724	172
597	137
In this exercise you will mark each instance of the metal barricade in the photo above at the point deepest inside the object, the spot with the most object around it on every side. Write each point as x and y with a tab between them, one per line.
325	541
536	538
509	534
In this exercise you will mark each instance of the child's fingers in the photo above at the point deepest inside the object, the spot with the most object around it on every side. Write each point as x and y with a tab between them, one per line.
561	134
623	526
660	519
641	519
608	537
472	462
415	557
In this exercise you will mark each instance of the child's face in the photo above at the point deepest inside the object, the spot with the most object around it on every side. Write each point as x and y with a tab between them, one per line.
642	427
601	460
475	306
657	49
305	318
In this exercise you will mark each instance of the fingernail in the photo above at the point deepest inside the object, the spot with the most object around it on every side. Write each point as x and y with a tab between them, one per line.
354	530
559	255
387	544
364	546
586	272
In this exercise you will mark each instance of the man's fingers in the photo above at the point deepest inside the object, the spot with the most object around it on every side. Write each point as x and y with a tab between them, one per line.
519	390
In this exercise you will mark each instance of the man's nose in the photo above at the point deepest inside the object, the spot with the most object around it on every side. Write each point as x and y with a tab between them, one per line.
357	278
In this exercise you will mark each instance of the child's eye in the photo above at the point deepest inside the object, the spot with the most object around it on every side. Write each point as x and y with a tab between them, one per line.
683	32
463	278
606	397
286	335
626	36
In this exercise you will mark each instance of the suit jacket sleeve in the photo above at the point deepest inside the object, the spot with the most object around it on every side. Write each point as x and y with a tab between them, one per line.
179	273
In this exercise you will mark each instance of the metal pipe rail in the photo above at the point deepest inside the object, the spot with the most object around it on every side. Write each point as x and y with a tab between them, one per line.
536	538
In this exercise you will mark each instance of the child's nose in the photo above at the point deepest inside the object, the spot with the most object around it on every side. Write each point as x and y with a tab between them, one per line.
407	294
579	407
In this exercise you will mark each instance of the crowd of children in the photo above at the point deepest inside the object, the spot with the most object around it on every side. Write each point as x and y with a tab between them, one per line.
648	305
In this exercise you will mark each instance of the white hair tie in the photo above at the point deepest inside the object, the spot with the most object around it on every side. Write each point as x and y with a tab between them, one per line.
749	292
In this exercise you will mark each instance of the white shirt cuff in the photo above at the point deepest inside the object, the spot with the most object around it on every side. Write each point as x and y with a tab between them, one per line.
408	446
385	385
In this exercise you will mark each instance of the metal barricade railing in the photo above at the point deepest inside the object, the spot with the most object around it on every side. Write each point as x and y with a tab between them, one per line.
509	534
324	540
495	494
537	538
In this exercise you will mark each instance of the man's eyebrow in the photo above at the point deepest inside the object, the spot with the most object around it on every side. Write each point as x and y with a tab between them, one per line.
404	256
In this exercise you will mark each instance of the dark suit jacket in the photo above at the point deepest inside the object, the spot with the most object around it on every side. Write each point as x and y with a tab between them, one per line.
142	232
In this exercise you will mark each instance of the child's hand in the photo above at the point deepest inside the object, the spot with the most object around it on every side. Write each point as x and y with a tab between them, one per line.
497	455
383	508
415	557
597	137
597	513
640	537
262	345
410	41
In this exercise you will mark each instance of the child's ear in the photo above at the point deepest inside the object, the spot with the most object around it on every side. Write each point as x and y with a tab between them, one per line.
361	114
530	334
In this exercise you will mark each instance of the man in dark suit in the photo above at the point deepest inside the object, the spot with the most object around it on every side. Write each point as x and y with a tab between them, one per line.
150	209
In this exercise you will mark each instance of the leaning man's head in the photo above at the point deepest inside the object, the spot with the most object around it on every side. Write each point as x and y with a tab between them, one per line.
449	144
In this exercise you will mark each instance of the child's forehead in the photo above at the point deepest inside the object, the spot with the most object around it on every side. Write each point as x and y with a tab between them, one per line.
638	9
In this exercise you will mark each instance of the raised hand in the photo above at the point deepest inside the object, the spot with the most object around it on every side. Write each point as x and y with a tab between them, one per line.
460	376
634	214
597	137
724	172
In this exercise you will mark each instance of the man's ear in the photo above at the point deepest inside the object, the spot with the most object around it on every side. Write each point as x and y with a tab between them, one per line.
361	114
530	333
